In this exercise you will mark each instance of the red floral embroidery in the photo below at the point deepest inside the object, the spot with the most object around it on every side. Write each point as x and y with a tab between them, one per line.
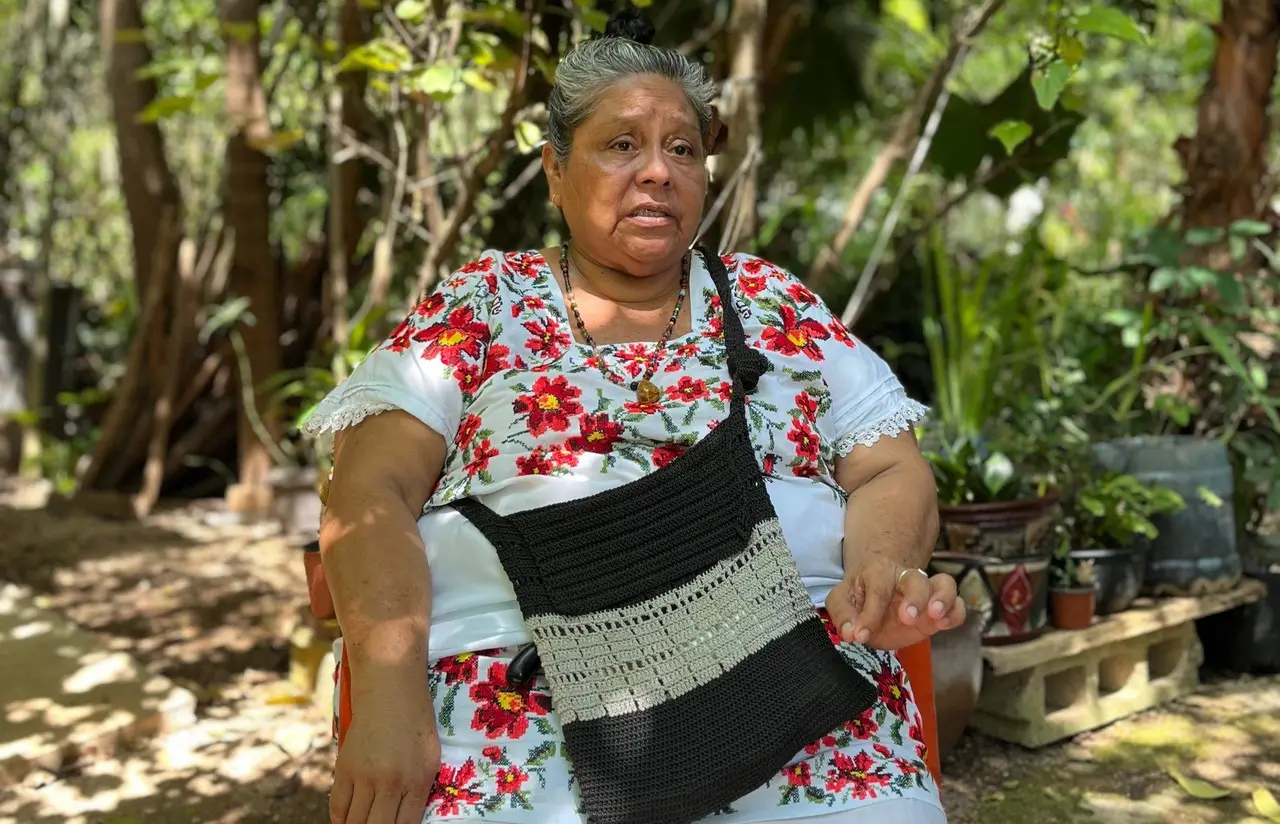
798	775
550	405
549	338
916	733
724	391
807	406
840	333
468	377
864	727
495	361
638	408
535	463
805	470
797	335
481	265
467	430
504	711
688	390
882	750
805	439
492	753
893	690
455	788
480	457
599	434
801	294
856	774
635	358
753	285
511	779
431	306
667	453
457	669
526	265
561	455
687	350
460	335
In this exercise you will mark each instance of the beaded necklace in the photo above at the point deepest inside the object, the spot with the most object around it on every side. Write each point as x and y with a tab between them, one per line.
646	390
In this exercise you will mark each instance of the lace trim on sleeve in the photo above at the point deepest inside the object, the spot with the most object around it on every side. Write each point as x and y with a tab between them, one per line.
352	402
896	422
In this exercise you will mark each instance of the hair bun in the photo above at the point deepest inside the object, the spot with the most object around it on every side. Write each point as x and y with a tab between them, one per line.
631	24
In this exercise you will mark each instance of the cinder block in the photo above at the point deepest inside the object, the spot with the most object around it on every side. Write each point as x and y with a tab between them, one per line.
1060	698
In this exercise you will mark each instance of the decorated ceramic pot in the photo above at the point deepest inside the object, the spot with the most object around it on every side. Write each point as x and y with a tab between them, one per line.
1011	594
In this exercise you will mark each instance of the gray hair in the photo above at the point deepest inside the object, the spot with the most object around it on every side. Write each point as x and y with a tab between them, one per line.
591	67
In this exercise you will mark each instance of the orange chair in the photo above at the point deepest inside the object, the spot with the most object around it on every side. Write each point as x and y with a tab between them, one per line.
917	660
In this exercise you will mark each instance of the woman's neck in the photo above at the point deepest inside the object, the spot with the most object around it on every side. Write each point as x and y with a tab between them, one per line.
621	288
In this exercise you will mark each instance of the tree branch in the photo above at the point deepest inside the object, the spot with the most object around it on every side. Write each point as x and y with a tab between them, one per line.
900	143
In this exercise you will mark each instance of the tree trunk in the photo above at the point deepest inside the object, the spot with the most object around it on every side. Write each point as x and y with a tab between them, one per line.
1226	162
148	183
741	162
254	273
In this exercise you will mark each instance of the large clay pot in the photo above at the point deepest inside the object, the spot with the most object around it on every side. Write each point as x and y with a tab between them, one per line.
957	677
1012	594
1006	529
1195	552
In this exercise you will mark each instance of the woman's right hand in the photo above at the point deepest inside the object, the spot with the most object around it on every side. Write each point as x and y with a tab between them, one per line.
388	762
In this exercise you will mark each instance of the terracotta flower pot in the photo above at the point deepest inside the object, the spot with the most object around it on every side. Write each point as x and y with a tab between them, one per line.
1072	608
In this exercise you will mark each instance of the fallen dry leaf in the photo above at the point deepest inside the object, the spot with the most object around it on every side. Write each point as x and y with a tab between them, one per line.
1195	787
1265	803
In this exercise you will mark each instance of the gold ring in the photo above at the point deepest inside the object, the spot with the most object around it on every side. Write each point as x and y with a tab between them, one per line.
908	570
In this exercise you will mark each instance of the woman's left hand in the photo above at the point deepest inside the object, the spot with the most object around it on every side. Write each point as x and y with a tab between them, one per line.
889	606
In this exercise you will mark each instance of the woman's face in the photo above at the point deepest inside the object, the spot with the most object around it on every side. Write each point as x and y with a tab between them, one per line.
634	186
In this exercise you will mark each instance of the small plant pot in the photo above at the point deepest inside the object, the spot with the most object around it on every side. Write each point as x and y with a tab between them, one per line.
1072	608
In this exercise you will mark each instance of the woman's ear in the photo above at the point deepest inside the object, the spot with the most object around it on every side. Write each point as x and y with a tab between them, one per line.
717	136
555	175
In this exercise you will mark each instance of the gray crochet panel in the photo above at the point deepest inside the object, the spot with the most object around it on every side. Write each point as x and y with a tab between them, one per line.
628	660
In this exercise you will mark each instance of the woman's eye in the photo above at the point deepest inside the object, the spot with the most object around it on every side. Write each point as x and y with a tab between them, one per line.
682	150
623	145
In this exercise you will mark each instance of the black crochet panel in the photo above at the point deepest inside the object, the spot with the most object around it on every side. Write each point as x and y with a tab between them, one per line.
685	660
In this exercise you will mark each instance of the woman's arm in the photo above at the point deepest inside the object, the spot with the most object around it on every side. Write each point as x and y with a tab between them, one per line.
385	469
893	502
890	527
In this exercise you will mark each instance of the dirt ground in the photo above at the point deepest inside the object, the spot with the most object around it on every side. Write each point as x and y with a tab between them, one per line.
210	606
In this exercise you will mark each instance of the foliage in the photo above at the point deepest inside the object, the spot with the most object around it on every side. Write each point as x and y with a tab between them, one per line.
1072	573
1111	510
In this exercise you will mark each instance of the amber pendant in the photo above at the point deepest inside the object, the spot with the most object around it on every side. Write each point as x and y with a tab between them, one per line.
648	392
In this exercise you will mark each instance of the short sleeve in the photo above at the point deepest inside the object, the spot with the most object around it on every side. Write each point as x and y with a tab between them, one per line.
431	365
867	399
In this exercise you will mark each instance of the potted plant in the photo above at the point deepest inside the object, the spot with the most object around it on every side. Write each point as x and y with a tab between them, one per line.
1073	593
1107	520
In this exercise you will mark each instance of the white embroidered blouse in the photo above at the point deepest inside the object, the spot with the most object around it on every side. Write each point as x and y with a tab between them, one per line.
489	363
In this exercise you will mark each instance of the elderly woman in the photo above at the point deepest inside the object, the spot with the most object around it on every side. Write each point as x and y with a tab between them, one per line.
622	531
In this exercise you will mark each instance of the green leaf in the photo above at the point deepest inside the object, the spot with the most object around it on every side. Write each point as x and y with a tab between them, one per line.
596	19
1239	246
1011	133
528	136
642	4
1195	787
1230	290
412	11
1111	23
1071	50
910	12
163	107
477	81
1204	236
1163	278
378	56
437	81
278	141
1049	83
1250	228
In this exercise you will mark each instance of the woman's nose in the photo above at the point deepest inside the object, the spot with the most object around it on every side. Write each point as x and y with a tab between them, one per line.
654	170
